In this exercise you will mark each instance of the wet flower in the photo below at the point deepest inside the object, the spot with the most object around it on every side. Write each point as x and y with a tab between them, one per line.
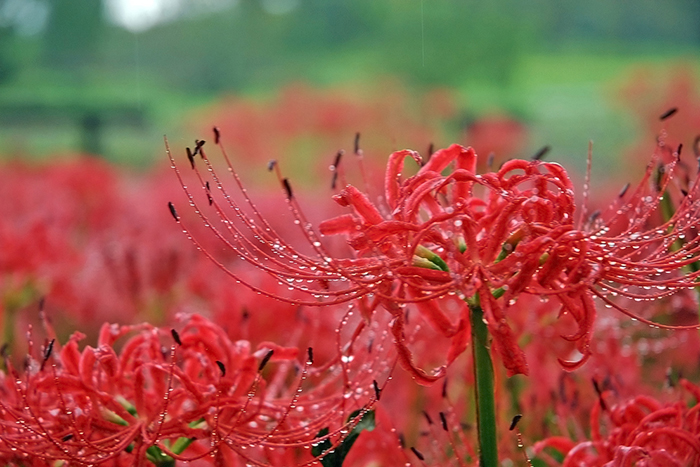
641	431
485	238
181	395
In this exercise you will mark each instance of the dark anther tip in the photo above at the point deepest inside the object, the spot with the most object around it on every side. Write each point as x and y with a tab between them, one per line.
171	206
310	352
287	187
217	135
623	191
271	165
668	113
443	420
47	353
222	368
49	349
598	391
489	159
377	391
427	417
190	156
198	143
265	359
176	336
418	454
357	142
515	421
338	157
541	153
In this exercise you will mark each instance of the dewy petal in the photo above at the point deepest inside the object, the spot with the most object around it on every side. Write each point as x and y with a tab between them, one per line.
406	358
444	157
347	224
466	160
70	356
108	360
393	174
436	317
506	343
361	204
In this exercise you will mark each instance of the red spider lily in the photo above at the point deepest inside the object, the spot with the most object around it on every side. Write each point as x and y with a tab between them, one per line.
187	395
486	238
641	431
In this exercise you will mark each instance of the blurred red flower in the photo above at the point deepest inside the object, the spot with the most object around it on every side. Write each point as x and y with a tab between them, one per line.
641	431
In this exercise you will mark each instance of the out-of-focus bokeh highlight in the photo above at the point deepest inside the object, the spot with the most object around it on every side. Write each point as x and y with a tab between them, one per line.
110	78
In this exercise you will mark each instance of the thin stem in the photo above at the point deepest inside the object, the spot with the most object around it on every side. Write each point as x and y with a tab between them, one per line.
484	389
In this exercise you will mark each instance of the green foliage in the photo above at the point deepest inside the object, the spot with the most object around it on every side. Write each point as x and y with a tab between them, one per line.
71	39
503	55
336	457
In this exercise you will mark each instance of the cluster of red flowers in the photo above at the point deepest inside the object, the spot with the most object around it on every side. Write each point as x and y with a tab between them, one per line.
183	395
641	431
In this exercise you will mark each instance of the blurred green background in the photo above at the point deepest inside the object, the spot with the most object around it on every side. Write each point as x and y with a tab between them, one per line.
111	78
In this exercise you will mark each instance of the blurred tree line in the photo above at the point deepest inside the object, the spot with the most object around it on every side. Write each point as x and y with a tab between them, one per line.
71	77
251	44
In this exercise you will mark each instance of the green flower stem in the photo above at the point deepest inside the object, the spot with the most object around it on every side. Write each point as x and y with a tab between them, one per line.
484	388
483	367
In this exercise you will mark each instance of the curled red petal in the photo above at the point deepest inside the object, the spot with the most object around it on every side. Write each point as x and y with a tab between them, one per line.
281	353
431	275
362	205
347	224
393	173
569	365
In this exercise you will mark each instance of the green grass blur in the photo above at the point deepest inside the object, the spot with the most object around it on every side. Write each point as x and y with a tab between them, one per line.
557	68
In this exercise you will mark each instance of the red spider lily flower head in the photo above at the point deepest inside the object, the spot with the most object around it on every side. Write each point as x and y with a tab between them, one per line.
641	431
181	395
486	238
